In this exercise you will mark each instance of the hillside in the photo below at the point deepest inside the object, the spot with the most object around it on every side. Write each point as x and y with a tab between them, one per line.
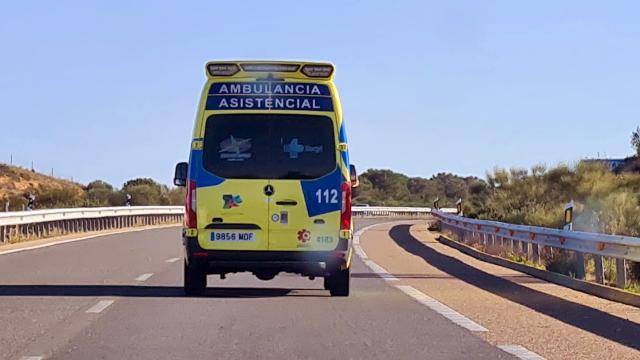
16	182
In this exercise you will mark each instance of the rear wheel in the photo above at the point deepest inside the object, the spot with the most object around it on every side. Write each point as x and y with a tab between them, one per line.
195	280
339	282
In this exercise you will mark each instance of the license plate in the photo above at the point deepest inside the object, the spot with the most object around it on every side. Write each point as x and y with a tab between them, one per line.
240	236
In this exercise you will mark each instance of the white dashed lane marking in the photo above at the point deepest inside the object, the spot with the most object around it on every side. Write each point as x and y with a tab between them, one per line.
520	352
441	309
101	305
172	260
144	277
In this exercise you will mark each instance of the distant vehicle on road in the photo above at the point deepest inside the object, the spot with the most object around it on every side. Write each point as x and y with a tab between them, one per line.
268	180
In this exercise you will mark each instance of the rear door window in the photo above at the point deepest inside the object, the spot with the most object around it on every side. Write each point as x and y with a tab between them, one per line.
259	146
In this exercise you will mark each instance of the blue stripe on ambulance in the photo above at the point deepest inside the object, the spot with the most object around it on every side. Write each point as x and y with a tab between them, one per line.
198	174
342	137
311	187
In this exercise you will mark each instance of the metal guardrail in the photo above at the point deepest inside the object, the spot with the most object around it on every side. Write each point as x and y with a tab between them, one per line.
530	239
26	225
389	211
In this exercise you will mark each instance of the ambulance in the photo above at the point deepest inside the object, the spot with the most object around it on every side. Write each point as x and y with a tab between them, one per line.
268	182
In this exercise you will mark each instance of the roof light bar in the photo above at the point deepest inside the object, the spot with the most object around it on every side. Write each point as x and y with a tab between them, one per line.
270	67
222	69
317	71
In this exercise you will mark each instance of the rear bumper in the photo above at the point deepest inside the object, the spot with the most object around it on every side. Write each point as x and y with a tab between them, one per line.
308	263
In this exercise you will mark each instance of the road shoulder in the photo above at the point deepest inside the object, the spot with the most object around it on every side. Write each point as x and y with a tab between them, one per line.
551	320
57	240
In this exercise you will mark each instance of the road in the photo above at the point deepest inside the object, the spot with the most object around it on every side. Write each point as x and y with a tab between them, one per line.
46	293
120	297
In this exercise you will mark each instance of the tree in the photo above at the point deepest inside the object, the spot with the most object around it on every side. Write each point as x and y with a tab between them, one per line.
635	140
99	193
99	184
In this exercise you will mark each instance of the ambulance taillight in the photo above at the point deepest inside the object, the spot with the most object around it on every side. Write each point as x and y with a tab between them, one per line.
190	220
345	213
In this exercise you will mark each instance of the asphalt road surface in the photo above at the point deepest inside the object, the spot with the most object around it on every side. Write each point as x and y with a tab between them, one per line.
120	297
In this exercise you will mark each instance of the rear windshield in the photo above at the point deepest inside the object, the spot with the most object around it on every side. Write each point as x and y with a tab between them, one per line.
258	146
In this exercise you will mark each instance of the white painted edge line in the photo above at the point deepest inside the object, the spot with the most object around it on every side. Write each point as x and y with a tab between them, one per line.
379	270
360	252
356	240
520	352
32	358
101	305
6	252
172	260
144	277
441	309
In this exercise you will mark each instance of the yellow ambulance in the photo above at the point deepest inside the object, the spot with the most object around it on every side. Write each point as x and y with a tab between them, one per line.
268	182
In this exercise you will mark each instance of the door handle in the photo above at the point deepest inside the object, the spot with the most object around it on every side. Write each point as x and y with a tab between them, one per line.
287	202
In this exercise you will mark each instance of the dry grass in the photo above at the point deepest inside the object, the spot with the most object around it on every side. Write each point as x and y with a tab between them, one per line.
15	182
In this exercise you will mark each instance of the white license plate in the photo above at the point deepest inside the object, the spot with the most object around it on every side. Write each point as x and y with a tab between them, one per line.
240	236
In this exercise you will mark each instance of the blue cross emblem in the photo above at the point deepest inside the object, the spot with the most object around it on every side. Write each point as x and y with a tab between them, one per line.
293	148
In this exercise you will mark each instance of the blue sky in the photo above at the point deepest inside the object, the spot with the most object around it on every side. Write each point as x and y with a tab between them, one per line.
109	89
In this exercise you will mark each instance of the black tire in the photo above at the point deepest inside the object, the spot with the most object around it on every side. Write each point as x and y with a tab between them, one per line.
195	280
326	283
339	283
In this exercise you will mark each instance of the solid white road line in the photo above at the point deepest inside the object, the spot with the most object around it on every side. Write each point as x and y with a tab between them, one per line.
82	238
172	260
379	270
31	358
144	277
441	308
360	252
101	305
520	352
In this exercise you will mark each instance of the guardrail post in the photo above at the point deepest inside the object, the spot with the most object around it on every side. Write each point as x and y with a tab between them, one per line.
621	274
535	253
599	268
